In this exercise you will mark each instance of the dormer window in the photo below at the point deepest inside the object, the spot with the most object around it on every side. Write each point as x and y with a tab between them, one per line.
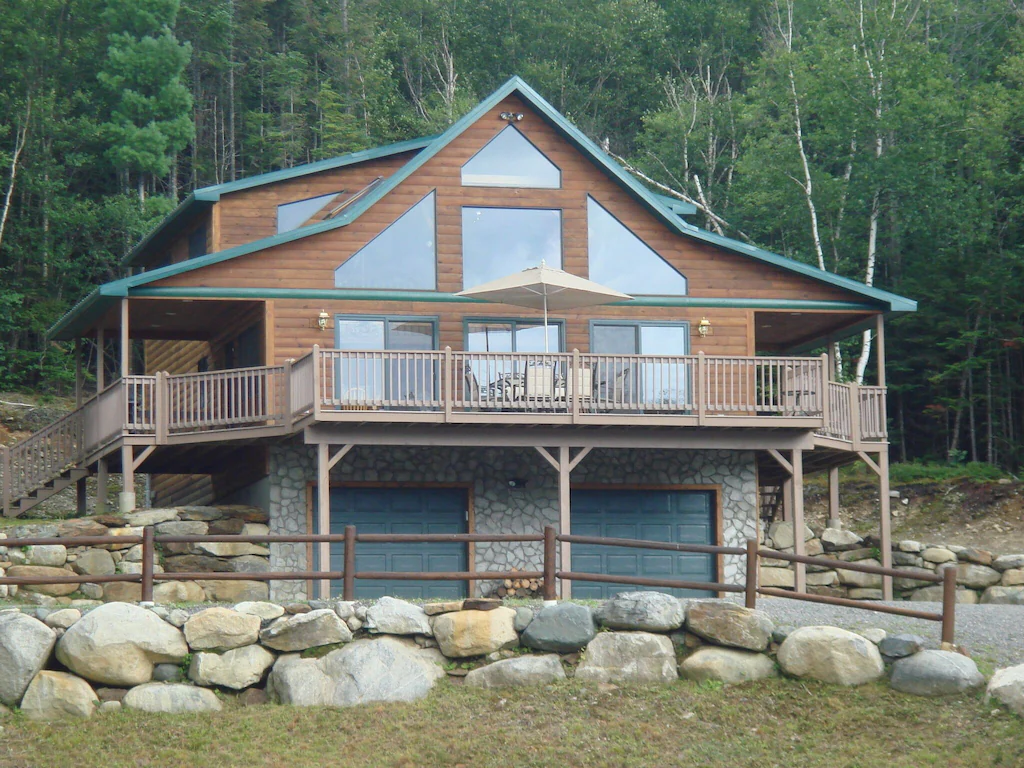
293	215
510	160
403	256
621	260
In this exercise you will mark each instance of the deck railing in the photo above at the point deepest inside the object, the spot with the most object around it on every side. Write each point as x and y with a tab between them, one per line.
300	386
43	455
225	399
550	574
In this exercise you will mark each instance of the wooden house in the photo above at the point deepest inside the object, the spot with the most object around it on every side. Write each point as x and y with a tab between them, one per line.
294	340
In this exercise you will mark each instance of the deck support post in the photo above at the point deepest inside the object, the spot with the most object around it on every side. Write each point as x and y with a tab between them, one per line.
81	500
100	361
323	514
833	498
564	516
102	479
886	521
797	485
787	500
127	498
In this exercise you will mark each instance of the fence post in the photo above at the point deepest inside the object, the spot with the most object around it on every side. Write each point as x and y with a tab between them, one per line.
948	604
5	466
550	549
148	555
348	590
751	593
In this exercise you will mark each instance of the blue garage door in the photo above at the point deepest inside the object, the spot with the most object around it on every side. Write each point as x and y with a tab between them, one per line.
401	510
672	516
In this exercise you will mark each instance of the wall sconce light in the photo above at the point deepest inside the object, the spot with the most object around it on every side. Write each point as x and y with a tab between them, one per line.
704	328
516	483
322	319
511	117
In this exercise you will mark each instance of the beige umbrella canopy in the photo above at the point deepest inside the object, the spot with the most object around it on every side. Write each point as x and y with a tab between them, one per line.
545	288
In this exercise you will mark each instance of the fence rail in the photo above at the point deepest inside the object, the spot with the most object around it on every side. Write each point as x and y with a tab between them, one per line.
550	573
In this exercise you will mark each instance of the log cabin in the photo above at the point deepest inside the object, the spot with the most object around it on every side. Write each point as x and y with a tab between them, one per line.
298	340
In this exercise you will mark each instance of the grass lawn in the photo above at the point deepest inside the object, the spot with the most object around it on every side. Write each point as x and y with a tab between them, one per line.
772	723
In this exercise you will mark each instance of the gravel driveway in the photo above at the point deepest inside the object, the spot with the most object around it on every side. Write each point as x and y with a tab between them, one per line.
992	633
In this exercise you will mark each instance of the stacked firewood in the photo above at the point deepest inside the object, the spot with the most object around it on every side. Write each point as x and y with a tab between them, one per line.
521	587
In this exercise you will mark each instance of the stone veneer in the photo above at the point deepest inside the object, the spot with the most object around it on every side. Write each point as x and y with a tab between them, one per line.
499	509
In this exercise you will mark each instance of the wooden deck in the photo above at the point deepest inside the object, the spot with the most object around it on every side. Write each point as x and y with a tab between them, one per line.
449	387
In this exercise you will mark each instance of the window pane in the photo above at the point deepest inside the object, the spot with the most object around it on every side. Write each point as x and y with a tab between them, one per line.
501	241
360	334
510	160
615	340
293	215
403	256
621	260
663	339
406	334
360	378
530	337
489	337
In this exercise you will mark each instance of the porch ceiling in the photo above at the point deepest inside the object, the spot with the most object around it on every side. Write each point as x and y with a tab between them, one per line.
776	331
175	319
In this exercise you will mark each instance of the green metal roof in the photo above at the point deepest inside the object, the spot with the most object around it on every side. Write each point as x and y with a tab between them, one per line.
204	197
675	205
660	206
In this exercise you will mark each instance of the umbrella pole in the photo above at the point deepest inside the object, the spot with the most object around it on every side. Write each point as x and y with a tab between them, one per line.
546	350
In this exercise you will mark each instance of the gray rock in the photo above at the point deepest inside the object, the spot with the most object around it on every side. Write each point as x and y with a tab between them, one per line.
938	555
182	528
265	611
831	655
1007	687
933	594
250	564
25	646
836	539
151	516
976	576
53	555
899	646
118	644
167	673
58	696
909	581
859	578
62	619
523	618
221	629
729	624
909	545
1006	562
237	669
177	617
346	609
1003	596
779	634
389	616
561	628
94	562
109	707
935	673
518	672
783	537
628	657
726	665
305	630
874	634
906	558
647	611
171	698
382	669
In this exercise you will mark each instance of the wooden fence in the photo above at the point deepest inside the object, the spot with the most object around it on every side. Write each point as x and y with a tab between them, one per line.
550	574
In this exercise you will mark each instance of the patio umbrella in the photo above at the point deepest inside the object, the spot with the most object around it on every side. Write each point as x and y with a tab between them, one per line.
545	288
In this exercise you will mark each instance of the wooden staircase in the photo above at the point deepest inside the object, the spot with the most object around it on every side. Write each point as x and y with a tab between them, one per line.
55	485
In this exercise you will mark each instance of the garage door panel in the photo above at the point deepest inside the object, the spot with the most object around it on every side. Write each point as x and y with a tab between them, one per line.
664	516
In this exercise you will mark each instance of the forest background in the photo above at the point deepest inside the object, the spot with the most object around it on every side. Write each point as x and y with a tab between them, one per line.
879	139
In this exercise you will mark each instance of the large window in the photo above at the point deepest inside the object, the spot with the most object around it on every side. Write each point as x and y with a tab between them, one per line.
505	379
621	260
512	336
372	377
501	241
510	160
403	256
661	382
293	215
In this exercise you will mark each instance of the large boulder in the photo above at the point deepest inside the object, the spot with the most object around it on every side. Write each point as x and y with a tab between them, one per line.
900	646
838	540
646	611
1007	687
977	576
306	630
53	555
389	616
381	669
1006	562
562	628
730	624
151	516
1003	596
265	611
934	593
118	644
935	673
231	549
222	591
221	629
518	672
783	535
171	698
831	655
58	696
25	646
727	665
42	572
94	562
178	592
475	633
236	669
859	578
628	657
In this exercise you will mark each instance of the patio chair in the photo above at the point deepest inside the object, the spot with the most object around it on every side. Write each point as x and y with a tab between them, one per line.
540	383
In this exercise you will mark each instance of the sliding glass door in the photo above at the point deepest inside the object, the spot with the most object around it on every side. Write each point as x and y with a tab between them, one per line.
658	384
376	377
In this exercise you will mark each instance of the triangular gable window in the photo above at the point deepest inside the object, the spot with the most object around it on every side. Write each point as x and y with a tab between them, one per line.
293	215
510	160
403	256
621	260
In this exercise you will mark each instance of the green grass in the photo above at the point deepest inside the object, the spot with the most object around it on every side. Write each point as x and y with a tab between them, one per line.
772	723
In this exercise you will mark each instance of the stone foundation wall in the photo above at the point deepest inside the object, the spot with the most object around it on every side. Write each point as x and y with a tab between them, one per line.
982	577
500	509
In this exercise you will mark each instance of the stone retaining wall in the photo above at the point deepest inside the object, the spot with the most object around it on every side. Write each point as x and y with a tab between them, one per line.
500	509
982	577
66	663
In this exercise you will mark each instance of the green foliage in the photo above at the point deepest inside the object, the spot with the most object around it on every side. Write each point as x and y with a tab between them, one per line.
935	472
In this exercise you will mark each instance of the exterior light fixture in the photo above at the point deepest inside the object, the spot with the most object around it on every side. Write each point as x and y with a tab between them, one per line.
321	320
511	117
704	328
